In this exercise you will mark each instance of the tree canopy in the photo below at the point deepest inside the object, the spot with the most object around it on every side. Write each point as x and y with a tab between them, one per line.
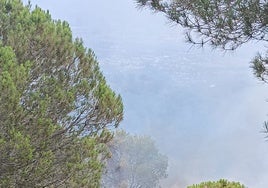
56	108
221	23
218	184
135	163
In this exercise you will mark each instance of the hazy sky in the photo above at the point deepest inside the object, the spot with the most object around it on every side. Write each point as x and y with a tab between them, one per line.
203	107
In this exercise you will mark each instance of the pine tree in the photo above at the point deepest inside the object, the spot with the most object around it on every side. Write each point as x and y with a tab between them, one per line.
56	108
218	184
135	162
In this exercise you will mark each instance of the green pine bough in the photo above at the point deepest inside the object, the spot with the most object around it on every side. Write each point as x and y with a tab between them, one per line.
218	184
56	108
221	24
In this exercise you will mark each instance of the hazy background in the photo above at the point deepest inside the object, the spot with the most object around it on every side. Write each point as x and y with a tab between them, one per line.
203	107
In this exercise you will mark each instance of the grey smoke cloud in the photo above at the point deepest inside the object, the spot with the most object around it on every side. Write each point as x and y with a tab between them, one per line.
204	108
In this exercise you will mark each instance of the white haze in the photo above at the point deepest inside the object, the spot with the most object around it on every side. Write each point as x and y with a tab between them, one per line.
203	107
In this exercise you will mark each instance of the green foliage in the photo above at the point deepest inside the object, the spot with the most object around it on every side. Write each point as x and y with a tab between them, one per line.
221	23
219	184
135	162
55	105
